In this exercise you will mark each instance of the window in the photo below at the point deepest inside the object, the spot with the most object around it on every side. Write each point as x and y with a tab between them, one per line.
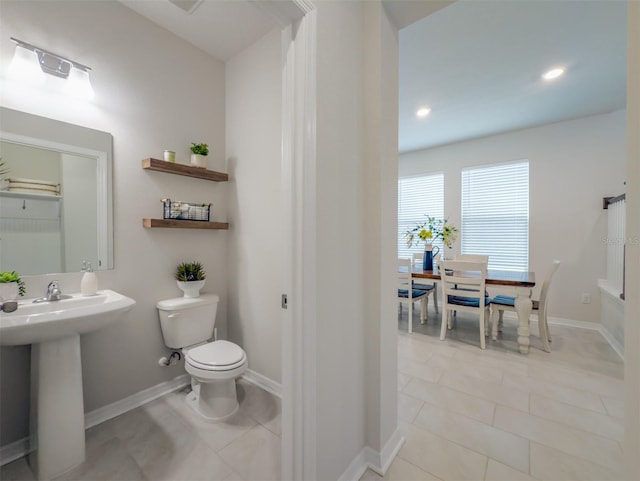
495	214
417	198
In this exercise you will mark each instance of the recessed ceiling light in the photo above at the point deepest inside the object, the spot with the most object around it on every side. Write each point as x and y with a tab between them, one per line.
553	73
422	112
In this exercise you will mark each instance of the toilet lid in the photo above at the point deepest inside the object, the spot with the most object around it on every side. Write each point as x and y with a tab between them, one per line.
216	354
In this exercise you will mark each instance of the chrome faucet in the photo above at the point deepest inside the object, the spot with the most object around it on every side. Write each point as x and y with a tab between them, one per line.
53	291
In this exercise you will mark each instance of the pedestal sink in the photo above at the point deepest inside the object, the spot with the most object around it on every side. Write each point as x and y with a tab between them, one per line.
57	410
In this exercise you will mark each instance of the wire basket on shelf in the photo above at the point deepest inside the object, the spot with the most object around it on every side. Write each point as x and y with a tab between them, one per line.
185	210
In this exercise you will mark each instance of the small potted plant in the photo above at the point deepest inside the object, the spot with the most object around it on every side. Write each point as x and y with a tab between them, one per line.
191	278
11	286
199	154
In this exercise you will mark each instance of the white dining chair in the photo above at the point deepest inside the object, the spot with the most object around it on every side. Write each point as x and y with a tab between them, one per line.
417	260
407	293
499	304
463	289
472	258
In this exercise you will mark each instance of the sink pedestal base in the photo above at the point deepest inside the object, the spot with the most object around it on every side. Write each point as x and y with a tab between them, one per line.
57	408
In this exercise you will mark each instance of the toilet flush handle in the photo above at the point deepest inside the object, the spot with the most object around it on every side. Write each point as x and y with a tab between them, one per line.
173	315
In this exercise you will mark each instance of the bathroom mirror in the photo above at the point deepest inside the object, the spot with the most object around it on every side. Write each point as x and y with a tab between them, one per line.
55	198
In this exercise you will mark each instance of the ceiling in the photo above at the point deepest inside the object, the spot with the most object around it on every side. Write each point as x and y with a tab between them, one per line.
478	66
475	63
220	28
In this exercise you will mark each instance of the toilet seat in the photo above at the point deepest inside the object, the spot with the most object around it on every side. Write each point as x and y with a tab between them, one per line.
216	356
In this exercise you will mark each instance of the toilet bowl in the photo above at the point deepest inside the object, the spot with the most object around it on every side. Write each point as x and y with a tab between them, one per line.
214	367
187	325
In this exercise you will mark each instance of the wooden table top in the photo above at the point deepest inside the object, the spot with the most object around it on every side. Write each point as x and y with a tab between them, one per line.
494	276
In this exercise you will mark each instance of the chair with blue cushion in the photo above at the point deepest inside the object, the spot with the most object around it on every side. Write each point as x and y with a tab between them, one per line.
473	258
407	293
499	304
417	261
463	289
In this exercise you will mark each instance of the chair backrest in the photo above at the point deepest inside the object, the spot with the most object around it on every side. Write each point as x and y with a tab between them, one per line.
417	258
404	274
472	257
463	278
544	298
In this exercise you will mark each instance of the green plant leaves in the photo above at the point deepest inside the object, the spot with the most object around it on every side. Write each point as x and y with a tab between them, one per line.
190	271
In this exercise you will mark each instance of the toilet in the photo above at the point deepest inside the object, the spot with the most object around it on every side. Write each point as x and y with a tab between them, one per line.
187	325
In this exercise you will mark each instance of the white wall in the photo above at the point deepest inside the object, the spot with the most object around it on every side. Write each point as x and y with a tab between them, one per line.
255	259
572	166
152	92
380	218
340	323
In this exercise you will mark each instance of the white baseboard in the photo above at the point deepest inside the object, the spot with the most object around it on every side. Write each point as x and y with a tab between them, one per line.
356	468
14	450
20	448
380	462
613	342
263	382
377	461
136	400
592	326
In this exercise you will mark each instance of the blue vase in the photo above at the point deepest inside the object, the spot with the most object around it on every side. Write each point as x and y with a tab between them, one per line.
427	259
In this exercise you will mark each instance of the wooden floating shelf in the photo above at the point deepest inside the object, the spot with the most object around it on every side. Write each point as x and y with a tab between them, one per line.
184	224
182	169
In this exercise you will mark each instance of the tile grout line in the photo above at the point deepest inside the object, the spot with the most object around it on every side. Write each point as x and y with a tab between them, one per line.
472	449
562	450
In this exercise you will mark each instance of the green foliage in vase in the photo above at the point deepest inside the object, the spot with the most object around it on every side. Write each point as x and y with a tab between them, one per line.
13	276
190	271
199	149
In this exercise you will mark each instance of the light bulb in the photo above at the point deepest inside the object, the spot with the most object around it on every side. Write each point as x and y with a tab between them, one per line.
25	67
79	84
422	112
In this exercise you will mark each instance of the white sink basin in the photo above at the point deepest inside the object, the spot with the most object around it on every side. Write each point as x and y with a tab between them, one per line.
34	323
57	411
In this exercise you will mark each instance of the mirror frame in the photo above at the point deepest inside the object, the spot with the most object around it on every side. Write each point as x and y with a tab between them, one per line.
45	133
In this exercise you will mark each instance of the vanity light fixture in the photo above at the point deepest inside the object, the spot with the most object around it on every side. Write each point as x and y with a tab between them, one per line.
54	64
422	112
50	62
554	73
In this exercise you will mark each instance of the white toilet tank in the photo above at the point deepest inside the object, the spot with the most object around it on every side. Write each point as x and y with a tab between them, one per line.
186	321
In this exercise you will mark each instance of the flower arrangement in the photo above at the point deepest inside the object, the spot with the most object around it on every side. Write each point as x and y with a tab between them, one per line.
432	229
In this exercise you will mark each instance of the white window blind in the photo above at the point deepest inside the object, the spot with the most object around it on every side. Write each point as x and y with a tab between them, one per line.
495	214
417	198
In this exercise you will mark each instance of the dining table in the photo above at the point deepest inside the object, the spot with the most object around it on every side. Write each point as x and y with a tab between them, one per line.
512	283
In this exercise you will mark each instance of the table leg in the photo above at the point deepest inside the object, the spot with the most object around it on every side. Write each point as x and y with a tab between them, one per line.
523	308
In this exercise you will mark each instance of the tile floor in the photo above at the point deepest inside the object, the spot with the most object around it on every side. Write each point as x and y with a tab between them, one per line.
163	440
468	414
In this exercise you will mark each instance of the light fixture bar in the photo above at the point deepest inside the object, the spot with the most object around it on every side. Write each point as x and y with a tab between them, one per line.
50	62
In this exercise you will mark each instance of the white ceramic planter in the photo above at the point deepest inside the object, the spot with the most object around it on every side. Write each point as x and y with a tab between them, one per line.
8	291
199	160
192	288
